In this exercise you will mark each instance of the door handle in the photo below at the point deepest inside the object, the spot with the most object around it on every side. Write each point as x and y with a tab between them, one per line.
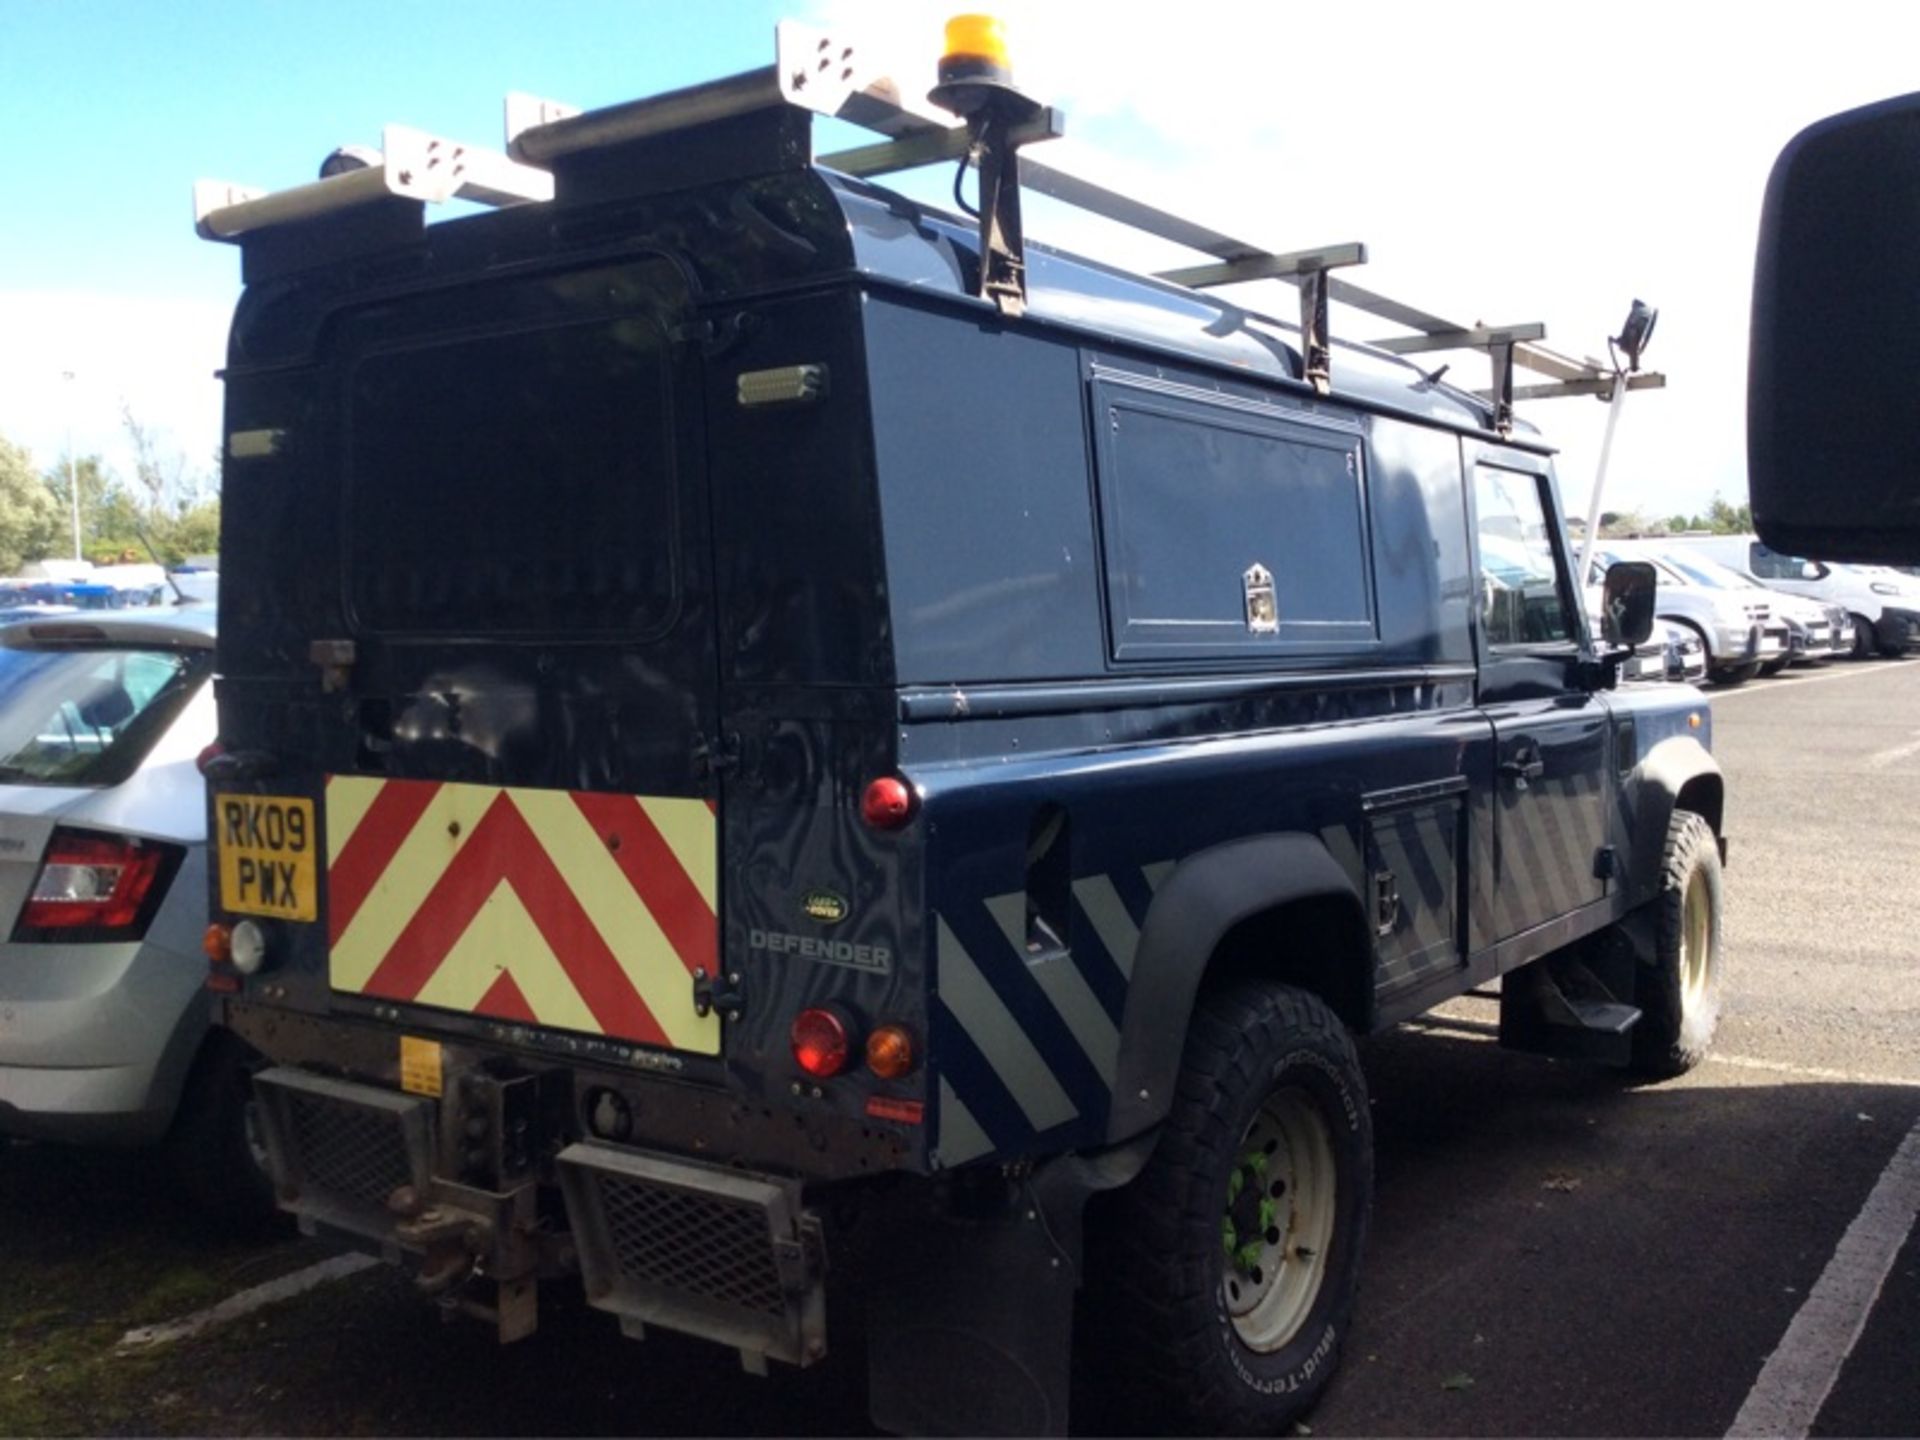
1523	769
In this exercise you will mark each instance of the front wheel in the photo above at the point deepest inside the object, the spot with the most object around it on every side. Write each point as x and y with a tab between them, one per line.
1236	1254
1679	997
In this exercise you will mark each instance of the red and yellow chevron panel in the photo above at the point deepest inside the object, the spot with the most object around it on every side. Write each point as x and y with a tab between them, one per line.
558	908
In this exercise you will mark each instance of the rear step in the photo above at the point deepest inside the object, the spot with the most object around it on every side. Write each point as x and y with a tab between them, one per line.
1560	1008
723	1254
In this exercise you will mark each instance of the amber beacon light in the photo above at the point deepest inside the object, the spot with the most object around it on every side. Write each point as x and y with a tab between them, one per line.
974	63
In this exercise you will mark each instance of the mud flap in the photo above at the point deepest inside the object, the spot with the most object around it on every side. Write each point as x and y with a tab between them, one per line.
973	1334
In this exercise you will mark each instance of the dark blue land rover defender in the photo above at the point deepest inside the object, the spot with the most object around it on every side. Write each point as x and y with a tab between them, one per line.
765	725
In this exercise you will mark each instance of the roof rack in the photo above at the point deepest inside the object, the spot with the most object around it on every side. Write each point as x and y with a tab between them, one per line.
818	71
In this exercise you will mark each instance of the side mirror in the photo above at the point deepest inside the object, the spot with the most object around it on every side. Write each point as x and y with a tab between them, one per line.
1812	570
1833	444
1626	603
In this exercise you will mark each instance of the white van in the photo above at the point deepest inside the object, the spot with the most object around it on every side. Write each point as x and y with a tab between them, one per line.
1884	603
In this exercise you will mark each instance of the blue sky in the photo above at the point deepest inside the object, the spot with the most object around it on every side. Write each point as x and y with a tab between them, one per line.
1504	162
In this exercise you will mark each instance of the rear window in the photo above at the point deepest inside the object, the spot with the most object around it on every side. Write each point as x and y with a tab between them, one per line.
514	483
88	717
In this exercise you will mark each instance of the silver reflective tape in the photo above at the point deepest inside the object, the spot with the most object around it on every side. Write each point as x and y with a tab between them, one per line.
1111	922
1062	983
961	1138
971	1000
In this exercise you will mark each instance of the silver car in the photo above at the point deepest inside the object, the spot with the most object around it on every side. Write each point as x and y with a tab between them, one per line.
104	1033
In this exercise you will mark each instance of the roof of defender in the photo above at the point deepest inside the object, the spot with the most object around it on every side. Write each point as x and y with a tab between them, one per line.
586	181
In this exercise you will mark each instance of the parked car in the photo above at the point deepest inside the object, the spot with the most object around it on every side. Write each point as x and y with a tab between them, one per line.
1812	632
1884	602
1685	654
1739	634
104	1033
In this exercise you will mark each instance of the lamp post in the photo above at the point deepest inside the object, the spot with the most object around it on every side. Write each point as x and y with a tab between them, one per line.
73	473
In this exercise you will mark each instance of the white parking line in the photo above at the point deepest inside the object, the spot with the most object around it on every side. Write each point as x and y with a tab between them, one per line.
1799	1375
1856	671
1898	752
1810	1072
246	1302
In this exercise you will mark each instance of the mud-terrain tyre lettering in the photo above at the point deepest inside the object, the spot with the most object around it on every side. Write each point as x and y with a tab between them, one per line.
1679	996
214	1151
1267	1069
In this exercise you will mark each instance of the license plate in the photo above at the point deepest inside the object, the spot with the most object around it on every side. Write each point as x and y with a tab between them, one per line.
267	846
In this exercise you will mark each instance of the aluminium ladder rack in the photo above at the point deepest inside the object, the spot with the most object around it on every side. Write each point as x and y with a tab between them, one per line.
820	72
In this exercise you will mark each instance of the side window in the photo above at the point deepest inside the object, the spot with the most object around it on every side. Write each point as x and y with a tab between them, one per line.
1230	531
1522	601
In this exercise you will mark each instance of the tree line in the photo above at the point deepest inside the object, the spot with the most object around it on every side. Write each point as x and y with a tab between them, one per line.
163	510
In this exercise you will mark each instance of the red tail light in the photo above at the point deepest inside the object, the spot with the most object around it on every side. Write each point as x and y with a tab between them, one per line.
94	883
822	1042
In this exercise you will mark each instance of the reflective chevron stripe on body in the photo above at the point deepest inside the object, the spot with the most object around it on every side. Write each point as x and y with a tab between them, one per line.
1027	1041
570	910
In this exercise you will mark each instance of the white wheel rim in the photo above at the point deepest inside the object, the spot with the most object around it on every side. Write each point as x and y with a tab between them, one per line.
1276	1252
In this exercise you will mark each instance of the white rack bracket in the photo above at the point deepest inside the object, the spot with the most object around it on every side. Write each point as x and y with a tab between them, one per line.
414	166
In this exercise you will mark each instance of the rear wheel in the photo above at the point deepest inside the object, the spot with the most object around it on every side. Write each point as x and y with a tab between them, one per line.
1234	1258
1679	997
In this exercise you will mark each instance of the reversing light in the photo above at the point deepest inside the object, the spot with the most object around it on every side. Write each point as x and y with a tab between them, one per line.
887	803
822	1043
91	882
248	947
890	1052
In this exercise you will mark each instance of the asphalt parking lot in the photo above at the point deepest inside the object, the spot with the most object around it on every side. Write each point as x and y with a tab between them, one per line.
1554	1252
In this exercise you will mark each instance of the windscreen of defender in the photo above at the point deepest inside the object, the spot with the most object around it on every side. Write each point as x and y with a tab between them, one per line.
514	482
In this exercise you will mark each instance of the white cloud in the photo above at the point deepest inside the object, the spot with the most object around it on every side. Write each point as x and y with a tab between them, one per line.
1504	162
154	355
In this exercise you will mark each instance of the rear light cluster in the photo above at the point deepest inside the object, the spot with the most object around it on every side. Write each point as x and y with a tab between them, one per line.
826	1043
94	886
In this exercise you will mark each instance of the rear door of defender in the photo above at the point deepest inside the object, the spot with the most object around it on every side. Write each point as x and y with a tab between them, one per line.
509	674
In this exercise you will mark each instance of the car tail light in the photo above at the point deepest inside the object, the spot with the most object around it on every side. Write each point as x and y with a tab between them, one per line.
93	886
822	1042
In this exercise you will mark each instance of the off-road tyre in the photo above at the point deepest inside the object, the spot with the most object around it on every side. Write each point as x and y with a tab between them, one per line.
1172	1349
1679	996
213	1150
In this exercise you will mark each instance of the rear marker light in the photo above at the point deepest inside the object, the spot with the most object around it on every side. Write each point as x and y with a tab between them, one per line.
91	882
887	803
821	1043
209	753
887	1107
218	943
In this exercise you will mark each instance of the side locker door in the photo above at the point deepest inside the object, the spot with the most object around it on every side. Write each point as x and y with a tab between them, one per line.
1550	731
